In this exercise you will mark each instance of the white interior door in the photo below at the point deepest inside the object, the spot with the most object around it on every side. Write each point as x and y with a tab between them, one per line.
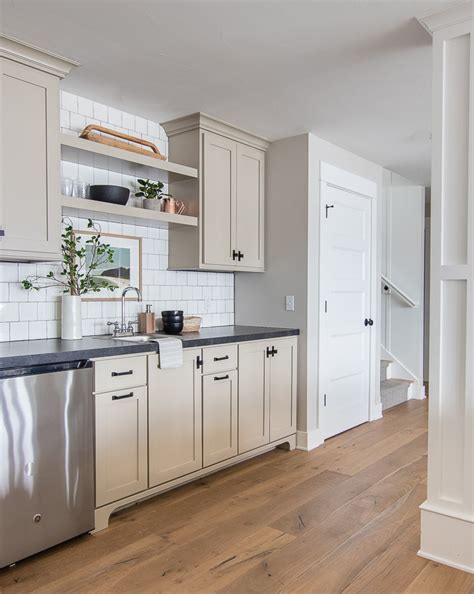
346	326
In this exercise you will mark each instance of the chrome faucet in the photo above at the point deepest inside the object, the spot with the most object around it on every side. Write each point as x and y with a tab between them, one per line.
124	329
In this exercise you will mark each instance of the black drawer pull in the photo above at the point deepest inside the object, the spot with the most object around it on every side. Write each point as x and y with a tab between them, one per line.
224	377
124	396
221	358
119	373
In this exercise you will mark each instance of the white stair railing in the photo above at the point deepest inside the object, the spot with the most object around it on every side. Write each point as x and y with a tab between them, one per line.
389	286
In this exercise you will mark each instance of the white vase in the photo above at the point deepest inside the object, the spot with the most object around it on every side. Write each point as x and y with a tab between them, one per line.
152	204
71	319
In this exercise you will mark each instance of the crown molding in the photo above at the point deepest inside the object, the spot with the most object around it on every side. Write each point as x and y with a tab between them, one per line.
203	121
457	13
33	56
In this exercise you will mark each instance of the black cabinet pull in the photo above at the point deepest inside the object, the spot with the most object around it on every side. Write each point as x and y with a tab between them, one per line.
224	377
240	256
119	373
221	358
199	362
130	395
235	255
368	322
271	352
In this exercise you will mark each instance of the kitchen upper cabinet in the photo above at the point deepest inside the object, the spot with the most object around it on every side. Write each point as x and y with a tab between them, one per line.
219	417
219	187
267	392
174	419
121	444
249	207
30	211
254	396
228	197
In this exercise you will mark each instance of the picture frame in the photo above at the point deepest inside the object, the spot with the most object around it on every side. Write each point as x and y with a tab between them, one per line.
126	269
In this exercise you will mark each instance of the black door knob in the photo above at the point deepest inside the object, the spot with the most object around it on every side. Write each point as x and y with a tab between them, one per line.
368	322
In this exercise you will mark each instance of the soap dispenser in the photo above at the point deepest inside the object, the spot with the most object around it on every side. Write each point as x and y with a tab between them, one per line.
146	321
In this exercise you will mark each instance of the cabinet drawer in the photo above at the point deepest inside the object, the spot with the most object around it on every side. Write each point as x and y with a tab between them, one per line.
119	374
219	358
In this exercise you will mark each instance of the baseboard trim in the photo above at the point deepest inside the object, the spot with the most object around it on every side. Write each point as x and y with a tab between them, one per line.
447	539
308	440
444	561
376	412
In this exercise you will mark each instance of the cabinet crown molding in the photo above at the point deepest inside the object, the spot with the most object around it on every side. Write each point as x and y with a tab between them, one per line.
33	56
212	124
457	13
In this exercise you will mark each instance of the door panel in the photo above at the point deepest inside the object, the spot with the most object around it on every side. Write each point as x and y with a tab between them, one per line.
345	304
254	396
282	386
121	444
249	226
29	124
219	414
219	189
174	419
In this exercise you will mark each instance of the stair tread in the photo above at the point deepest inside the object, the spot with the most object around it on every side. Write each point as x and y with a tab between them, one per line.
394	382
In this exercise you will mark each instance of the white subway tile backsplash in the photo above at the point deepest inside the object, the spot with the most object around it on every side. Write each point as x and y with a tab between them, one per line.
31	314
101	112
85	107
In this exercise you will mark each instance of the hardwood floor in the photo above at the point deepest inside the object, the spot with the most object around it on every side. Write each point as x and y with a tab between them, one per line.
343	517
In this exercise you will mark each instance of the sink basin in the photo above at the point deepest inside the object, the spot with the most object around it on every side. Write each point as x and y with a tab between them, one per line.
140	337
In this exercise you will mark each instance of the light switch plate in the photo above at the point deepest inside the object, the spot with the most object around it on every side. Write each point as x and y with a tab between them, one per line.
290	303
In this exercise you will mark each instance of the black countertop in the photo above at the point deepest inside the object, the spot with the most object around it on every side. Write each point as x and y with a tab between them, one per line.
24	353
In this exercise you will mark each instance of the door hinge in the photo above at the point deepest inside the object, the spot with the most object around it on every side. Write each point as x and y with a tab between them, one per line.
325	306
324	399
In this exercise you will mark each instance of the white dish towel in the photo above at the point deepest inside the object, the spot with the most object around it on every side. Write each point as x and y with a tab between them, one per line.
171	352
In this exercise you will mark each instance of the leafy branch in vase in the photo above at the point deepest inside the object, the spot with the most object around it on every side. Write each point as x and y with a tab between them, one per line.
79	261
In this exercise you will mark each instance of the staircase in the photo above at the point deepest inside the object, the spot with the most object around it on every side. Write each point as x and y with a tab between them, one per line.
392	391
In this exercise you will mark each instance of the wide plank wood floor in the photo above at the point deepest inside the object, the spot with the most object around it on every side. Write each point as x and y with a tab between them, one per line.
342	518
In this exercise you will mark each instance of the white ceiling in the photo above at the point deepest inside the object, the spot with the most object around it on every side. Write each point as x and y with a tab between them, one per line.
356	73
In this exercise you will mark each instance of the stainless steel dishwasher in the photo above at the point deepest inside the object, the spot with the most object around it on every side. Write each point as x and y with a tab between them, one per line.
46	457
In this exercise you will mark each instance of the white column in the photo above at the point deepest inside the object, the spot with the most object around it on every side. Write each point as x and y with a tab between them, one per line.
447	516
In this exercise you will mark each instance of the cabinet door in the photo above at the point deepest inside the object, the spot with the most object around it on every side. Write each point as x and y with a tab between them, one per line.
254	396
249	222
174	419
282	384
30	214
121	444
219	417
218	189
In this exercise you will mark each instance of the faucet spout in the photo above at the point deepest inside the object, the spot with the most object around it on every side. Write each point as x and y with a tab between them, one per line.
124	293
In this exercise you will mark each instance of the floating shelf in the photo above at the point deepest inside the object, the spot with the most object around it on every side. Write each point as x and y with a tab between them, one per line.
88	152
93	207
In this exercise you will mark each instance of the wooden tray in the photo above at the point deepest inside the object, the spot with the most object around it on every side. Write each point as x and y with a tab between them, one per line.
88	134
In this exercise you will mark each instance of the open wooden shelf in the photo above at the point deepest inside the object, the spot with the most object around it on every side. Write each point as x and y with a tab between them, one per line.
87	152
92	208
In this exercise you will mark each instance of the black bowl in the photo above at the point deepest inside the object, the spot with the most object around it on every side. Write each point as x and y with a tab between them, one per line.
173	328
173	320
172	312
111	194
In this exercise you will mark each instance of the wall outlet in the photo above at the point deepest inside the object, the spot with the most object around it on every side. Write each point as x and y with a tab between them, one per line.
290	303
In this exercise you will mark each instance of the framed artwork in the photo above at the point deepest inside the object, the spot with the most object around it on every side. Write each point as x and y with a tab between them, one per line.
125	270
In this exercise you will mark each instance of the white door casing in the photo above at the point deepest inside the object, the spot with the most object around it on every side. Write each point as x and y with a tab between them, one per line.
346	309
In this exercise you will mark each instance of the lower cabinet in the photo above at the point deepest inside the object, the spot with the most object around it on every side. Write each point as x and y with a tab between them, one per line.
267	392
254	396
121	444
174	417
281	380
219	417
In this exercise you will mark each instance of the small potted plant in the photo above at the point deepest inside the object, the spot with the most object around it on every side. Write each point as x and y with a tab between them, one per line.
75	276
151	192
